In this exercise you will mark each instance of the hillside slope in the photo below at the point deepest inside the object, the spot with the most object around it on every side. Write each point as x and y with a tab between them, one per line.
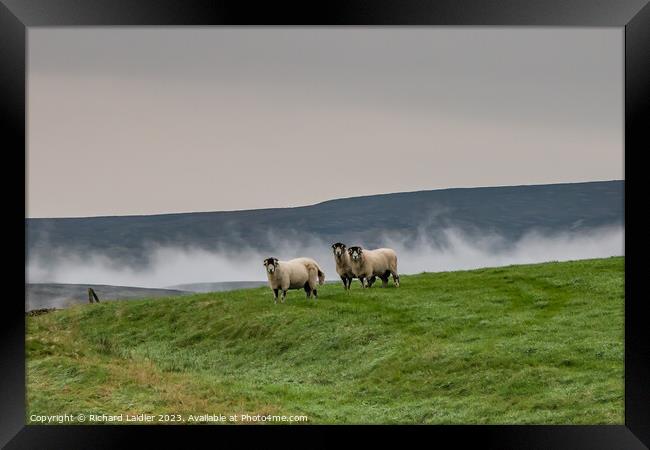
521	344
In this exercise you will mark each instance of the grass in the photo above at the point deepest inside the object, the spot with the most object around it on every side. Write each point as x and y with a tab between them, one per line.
530	344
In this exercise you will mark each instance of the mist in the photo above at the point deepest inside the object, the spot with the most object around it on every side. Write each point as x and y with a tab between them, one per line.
451	249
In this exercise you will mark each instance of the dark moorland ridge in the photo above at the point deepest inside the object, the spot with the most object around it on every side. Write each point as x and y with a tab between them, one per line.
509	211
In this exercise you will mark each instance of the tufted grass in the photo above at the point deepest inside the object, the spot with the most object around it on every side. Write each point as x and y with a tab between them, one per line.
529	344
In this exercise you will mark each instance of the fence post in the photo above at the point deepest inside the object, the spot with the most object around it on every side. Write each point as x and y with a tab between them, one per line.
92	295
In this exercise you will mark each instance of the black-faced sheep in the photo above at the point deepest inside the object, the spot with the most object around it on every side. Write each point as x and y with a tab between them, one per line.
367	264
299	273
343	264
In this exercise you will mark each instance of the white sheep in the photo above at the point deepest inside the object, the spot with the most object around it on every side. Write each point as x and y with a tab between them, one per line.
299	273
343	264
368	264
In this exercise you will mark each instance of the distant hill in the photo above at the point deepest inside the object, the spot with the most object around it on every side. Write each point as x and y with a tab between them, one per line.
508	211
56	295
221	286
224	286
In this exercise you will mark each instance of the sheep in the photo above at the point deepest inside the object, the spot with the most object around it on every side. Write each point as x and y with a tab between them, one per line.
342	261
368	264
293	274
343	264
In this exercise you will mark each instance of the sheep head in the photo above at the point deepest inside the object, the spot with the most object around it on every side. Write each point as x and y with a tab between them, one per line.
338	249
355	253
271	264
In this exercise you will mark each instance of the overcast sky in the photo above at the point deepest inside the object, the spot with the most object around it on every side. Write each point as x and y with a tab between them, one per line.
158	120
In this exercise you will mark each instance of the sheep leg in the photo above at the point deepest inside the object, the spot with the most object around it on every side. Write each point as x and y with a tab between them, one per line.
275	296
371	281
307	290
284	294
344	279
384	279
312	286
395	278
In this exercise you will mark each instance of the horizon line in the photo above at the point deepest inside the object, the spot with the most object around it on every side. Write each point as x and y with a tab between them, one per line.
325	201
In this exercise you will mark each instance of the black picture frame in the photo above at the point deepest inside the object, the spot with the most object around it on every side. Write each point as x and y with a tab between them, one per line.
634	15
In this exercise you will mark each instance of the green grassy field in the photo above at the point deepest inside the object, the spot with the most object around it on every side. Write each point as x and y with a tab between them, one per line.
532	344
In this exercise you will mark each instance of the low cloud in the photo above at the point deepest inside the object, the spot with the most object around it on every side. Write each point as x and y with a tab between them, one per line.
450	250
